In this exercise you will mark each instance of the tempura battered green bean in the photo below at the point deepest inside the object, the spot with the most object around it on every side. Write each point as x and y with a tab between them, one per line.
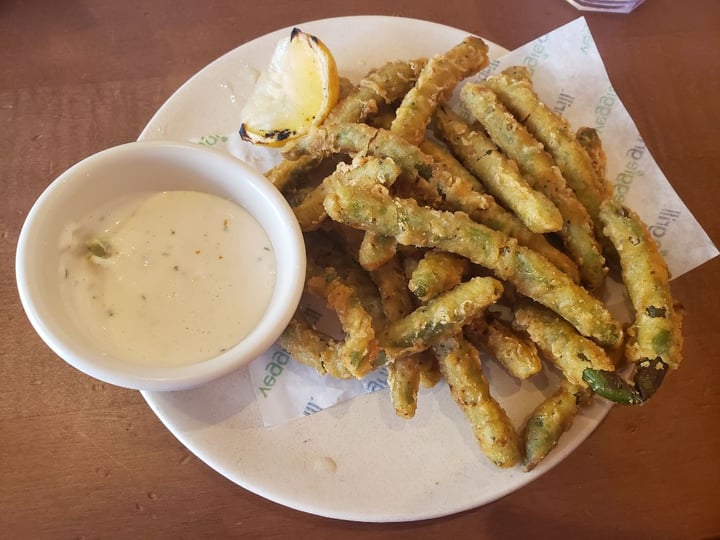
313	348
360	348
460	365
542	174
403	378
434	85
515	353
310	212
288	173
549	421
560	343
500	175
655	336
554	132
392	285
384	85
590	140
366	140
376	250
374	209
338	252
445	313
403	373
436	272
496	217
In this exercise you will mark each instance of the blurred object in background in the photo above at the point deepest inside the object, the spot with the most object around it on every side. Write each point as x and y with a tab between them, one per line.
610	6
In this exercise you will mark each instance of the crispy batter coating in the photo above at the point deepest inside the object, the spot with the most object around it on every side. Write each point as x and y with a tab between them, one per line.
434	85
436	272
560	343
549	421
310	212
517	94
517	354
384	85
445	313
360	348
496	217
538	168
590	140
460	365
656	330
437	185
374	209
376	250
403	373
499	174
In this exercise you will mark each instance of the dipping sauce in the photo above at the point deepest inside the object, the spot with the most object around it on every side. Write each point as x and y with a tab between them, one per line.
167	279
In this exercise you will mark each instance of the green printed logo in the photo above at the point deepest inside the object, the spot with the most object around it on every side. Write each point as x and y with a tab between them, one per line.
273	370
632	170
311	408
603	109
564	101
212	140
587	42
378	381
659	229
537	53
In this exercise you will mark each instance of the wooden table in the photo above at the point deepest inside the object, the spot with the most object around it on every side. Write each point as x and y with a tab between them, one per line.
82	459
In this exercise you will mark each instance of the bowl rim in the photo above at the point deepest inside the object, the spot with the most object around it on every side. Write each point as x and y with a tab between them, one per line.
290	267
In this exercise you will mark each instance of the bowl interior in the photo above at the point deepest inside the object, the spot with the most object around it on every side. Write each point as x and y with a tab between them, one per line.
151	167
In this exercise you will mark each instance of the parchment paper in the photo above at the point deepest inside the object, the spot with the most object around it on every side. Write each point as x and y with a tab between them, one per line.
570	77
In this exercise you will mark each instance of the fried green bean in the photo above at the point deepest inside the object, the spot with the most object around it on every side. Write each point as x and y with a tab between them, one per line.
429	368
404	372
372	208
496	217
655	343
445	313
436	272
338	251
287	174
560	343
460	365
549	421
360	348
516	354
356	355
538	168
500	175
403	378
433	274
392	285
313	348
590	140
384	85
552	130
434	85
376	250
366	140
310	212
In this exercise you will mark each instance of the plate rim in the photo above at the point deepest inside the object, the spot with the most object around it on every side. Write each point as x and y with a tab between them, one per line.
526	477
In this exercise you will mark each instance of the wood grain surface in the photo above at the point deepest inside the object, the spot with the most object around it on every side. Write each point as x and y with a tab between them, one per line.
82	459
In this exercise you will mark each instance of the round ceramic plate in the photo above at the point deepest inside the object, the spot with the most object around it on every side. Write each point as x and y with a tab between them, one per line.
356	460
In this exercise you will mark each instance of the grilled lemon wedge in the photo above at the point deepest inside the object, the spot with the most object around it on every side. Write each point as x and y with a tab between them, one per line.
296	91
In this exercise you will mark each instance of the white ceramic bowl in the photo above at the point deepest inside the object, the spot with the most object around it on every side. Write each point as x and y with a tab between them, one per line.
143	167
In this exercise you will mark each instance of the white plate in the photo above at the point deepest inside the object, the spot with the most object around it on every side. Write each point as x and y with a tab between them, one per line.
357	460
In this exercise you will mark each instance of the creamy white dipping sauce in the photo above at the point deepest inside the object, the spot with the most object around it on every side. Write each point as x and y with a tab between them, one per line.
187	275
